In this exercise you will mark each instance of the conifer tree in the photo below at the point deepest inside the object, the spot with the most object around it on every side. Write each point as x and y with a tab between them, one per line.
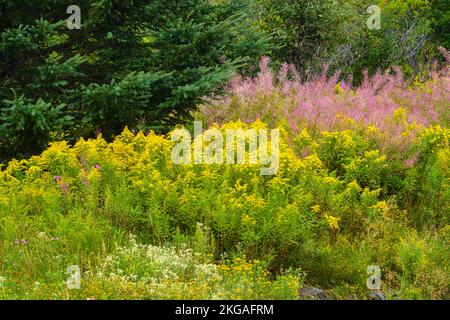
140	63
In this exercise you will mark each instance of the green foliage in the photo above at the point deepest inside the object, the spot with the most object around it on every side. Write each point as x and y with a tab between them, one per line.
361	193
403	39
108	107
132	62
440	19
306	31
334	32
427	185
329	215
27	127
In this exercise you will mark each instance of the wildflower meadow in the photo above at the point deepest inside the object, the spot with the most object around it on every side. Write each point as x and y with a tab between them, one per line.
213	151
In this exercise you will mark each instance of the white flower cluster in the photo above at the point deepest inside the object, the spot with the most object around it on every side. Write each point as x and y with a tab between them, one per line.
140	263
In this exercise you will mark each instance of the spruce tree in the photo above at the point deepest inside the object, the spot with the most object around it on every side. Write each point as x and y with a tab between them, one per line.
137	63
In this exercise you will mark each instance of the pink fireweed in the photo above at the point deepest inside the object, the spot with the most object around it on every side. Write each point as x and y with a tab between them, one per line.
384	101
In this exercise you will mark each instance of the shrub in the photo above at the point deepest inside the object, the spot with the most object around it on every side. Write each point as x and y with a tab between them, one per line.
327	214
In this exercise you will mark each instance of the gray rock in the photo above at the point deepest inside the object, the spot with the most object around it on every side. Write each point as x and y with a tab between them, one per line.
309	292
376	295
